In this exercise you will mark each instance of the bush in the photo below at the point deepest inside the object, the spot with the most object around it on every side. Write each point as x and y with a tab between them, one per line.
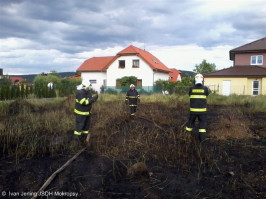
127	80
179	87
67	87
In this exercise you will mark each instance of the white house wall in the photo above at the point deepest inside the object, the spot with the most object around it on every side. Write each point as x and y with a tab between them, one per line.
100	78
179	78
144	72
160	76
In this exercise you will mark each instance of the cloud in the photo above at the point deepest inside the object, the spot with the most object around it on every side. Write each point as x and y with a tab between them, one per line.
32	30
185	57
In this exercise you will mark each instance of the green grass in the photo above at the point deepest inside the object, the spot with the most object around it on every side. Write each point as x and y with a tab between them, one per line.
249	103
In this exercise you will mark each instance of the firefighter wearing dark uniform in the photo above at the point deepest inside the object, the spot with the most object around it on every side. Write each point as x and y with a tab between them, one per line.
132	99
198	106
83	105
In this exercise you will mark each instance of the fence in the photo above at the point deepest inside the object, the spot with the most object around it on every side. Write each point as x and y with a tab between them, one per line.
140	89
148	89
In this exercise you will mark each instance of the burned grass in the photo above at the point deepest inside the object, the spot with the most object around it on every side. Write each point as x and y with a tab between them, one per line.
229	164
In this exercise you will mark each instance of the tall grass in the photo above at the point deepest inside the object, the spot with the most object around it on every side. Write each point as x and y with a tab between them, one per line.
36	129
46	126
250	103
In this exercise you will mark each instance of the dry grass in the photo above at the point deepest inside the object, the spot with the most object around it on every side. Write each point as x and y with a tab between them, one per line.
29	130
231	124
41	127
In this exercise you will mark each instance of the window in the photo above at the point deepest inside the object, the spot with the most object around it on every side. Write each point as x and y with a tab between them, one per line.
135	63
255	88
122	63
256	60
93	81
139	82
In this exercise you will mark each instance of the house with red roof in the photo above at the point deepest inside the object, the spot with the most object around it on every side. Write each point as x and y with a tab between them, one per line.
16	80
175	75
248	74
131	61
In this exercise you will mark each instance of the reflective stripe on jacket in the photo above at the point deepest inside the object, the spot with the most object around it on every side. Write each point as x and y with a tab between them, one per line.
198	99
83	105
132	96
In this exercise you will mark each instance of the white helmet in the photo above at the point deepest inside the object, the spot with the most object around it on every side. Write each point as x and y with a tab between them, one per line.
86	84
132	85
199	79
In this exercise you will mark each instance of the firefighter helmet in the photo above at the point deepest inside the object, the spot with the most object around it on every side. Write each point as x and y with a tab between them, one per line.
132	85
199	79
86	84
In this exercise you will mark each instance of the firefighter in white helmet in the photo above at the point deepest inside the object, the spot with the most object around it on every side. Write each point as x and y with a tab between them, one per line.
198	106
132	99
83	105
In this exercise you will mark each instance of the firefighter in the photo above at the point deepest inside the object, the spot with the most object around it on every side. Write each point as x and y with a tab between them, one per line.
198	106
132	99
83	105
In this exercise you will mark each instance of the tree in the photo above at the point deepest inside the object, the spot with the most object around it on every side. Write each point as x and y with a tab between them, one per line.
5	81
127	80
40	83
54	73
27	91
205	67
22	91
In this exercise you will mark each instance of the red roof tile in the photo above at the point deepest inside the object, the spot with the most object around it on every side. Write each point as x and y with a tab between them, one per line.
102	63
239	71
256	46
15	79
154	62
96	64
174	74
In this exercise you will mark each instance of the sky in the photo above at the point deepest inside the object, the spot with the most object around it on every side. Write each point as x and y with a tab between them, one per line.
59	35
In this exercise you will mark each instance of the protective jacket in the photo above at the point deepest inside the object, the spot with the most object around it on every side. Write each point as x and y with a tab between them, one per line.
132	97
83	103
198	99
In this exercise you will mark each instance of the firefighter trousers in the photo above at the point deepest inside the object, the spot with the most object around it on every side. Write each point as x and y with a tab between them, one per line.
133	109
82	124
202	124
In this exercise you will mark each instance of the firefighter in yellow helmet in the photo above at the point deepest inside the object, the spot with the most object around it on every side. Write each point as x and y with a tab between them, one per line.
198	106
132	99
83	105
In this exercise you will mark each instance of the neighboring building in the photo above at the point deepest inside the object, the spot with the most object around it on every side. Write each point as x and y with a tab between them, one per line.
16	80
247	76
175	75
131	61
76	77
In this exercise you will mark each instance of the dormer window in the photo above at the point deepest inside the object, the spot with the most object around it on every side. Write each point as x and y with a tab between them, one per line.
256	60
